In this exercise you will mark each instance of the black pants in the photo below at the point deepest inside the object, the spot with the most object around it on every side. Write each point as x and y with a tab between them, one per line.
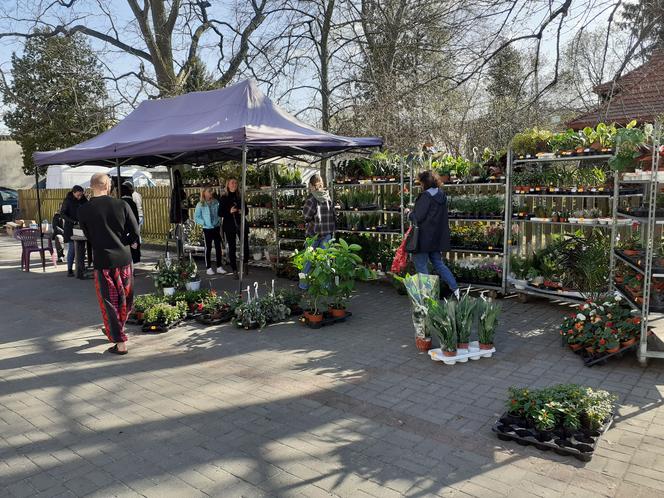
212	235
232	237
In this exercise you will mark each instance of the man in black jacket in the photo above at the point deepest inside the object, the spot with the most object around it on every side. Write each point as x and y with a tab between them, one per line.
111	228
69	212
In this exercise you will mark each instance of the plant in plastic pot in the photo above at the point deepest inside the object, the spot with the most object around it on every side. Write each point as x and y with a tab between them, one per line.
347	268
419	288
441	322
318	280
167	277
189	274
465	314
545	421
518	403
488	312
145	301
165	314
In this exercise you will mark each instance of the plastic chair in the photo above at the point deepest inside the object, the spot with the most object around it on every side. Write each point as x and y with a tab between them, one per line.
30	243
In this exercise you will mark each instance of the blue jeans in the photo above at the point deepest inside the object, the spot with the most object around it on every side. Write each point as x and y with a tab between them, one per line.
421	260
321	242
71	251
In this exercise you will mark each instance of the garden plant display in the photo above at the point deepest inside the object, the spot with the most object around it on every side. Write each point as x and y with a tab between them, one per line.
331	278
477	235
567	418
477	271
189	273
163	316
476	206
487	321
464	315
600	328
167	278
441	322
143	302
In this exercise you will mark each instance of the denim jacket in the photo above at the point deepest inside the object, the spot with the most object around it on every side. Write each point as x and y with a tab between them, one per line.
207	214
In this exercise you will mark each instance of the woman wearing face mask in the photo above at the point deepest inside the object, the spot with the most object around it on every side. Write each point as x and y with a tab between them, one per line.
207	216
229	211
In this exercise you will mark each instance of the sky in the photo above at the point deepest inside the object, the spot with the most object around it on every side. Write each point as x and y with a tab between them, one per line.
584	11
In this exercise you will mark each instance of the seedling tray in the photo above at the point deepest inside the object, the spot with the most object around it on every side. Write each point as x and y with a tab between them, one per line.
159	328
327	320
463	355
206	319
580	445
601	358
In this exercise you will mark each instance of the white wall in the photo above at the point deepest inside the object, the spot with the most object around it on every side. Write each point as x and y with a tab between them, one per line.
11	166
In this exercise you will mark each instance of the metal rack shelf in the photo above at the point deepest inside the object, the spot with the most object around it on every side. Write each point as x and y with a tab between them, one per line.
549	294
386	232
599	225
575	196
635	266
591	157
496	252
641	219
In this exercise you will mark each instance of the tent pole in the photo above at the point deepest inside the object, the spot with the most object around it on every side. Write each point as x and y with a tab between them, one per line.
39	220
117	172
243	221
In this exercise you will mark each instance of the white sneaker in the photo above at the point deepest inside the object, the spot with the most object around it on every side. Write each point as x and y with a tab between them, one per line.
221	271
210	271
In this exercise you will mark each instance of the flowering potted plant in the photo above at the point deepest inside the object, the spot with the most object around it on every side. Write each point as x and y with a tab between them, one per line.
189	274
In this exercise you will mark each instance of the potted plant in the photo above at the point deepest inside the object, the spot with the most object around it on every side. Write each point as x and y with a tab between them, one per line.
164	315
144	302
318	280
168	277
465	312
441	322
488	312
545	421
189	274
520	267
250	315
347	266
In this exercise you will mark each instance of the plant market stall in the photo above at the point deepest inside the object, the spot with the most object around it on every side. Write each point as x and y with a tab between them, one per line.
236	123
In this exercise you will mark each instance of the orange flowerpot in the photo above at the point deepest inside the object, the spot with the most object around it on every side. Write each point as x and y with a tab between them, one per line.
628	342
462	345
423	344
313	318
575	347
337	312
449	353
486	346
613	350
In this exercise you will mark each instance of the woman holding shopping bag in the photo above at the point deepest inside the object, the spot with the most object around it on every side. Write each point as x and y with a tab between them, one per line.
431	232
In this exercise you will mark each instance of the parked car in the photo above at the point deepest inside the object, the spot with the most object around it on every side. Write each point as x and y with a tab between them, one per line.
8	204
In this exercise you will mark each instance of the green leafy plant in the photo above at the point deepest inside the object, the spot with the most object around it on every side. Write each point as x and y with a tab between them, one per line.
488	312
145	301
465	312
441	322
166	314
628	141
167	275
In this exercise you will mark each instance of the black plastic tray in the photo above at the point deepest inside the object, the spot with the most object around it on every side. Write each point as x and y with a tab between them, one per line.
206	319
581	449
158	328
600	359
327	320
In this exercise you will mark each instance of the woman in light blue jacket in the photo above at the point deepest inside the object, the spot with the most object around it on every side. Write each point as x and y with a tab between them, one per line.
207	216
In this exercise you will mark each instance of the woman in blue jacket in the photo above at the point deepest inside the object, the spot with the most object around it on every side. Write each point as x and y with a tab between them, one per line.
206	215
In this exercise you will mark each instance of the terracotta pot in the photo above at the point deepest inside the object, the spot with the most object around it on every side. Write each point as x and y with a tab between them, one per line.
449	353
313	318
590	350
575	347
628	342
139	315
613	350
338	312
462	345
486	346
423	344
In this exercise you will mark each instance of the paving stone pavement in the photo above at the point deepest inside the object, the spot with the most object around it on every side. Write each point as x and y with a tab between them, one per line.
349	410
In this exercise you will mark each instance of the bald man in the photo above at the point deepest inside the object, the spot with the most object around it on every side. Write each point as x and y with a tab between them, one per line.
111	229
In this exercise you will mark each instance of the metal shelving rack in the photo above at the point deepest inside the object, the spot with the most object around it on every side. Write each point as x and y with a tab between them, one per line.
613	196
648	233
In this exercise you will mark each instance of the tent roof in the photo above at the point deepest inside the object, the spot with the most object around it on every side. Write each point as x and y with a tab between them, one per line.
202	127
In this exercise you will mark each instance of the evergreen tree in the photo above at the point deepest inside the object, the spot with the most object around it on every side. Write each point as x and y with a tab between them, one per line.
57	96
645	20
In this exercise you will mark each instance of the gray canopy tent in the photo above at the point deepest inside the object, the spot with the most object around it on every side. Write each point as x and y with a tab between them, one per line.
234	123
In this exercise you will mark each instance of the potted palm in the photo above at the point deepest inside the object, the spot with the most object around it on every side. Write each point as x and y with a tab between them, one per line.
441	322
167	278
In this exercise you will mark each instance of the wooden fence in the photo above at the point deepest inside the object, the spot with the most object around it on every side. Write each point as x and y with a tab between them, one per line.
156	202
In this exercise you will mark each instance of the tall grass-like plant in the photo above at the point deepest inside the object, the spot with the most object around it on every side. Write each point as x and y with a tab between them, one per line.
441	322
465	314
488	312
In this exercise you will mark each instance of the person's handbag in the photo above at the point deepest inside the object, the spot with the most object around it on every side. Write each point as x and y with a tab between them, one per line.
400	260
412	237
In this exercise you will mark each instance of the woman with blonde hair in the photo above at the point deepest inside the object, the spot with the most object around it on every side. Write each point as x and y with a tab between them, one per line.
229	211
207	216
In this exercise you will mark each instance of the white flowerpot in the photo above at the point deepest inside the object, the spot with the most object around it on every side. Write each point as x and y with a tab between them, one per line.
169	291
258	256
520	284
193	286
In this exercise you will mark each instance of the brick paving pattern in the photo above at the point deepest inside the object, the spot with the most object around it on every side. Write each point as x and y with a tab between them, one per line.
349	410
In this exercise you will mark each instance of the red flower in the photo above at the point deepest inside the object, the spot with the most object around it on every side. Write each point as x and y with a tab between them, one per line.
570	331
602	342
609	324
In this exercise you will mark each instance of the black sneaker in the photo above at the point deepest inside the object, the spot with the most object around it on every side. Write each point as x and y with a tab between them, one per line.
70	273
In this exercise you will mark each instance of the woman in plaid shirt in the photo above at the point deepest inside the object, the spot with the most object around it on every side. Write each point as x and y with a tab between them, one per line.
319	216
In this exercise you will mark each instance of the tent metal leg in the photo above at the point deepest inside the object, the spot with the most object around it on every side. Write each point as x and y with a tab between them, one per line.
243	221
39	221
117	172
